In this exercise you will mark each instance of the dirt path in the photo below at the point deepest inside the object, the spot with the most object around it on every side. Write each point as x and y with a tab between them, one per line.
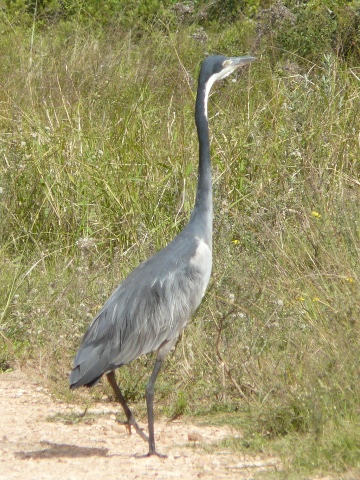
34	448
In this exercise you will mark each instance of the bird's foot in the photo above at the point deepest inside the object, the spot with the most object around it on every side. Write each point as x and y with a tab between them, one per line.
126	425
160	455
150	454
132	422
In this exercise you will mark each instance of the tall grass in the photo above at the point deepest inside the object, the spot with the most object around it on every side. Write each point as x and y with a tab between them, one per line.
98	171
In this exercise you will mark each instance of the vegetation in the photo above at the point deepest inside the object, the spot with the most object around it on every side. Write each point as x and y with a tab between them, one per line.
98	171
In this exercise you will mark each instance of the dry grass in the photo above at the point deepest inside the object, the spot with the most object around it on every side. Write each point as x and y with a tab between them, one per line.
98	171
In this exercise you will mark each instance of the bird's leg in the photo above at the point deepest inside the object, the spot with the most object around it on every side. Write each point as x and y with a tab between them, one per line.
150	407
130	417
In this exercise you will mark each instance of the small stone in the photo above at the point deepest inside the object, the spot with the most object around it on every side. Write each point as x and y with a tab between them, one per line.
194	437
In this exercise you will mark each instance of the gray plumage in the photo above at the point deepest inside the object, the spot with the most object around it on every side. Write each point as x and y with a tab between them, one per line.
148	309
152	305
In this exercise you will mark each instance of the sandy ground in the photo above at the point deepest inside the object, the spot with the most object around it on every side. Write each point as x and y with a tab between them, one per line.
33	447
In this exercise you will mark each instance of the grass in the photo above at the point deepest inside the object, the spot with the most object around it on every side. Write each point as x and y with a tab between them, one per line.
98	171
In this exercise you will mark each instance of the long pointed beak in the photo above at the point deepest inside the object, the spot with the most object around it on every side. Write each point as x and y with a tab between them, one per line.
239	61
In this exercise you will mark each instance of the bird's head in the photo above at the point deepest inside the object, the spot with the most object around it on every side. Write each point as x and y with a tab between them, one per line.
217	67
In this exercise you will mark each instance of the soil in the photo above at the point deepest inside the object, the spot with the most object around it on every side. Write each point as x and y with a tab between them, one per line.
37	443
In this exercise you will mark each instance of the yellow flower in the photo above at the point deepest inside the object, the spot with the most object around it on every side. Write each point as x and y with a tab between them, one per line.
315	214
349	279
236	241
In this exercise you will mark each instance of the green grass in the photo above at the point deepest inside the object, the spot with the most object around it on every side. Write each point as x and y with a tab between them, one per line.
98	171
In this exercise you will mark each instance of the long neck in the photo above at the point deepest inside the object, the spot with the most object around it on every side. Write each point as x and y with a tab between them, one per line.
202	212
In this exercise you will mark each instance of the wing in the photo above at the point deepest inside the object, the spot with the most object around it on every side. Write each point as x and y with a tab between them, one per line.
149	308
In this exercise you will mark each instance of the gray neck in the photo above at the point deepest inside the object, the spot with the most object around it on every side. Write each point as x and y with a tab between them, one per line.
202	213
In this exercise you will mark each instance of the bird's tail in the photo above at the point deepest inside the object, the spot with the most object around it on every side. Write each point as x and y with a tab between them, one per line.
77	380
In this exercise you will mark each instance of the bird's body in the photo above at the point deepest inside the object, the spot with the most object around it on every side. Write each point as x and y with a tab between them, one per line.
148	309
152	305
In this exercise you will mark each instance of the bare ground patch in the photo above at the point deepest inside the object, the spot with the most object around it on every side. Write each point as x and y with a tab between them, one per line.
33	447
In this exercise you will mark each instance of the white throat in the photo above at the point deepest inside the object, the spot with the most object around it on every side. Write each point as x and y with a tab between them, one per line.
214	78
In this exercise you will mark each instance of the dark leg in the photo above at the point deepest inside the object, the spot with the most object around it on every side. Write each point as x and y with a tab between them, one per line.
150	407
130	417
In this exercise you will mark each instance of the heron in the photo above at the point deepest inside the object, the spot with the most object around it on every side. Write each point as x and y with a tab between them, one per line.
150	308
